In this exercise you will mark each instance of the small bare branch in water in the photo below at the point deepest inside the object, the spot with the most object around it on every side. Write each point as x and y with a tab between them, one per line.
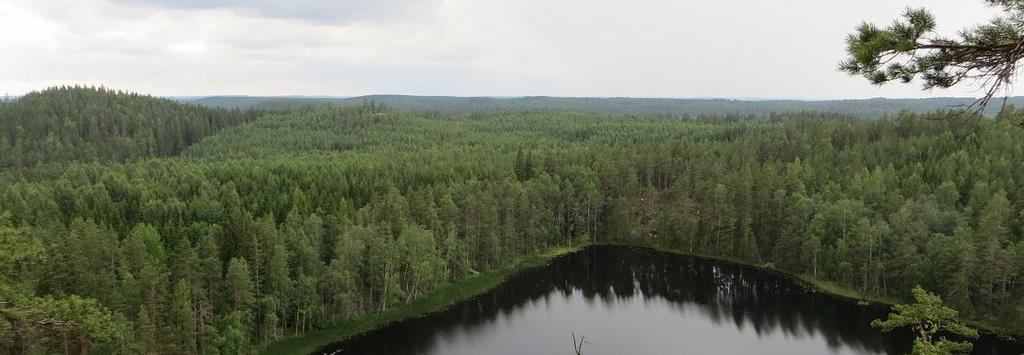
578	346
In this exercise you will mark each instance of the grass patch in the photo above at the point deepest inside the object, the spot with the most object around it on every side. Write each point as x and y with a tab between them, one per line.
835	289
434	301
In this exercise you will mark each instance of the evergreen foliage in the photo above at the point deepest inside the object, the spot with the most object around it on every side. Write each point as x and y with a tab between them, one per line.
95	124
307	217
909	48
927	316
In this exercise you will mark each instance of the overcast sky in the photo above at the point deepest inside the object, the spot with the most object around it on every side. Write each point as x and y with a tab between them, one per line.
639	48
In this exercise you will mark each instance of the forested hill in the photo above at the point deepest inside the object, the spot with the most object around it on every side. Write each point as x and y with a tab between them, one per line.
95	124
868	107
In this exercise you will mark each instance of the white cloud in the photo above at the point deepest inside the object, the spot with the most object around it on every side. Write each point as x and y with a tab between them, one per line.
660	48
324	11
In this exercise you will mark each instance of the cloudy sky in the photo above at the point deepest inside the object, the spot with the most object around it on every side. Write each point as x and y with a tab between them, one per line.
640	48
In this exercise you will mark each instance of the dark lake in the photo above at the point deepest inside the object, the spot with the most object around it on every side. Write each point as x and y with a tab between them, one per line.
628	300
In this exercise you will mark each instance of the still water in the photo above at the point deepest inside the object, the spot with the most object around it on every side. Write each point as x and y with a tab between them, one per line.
627	300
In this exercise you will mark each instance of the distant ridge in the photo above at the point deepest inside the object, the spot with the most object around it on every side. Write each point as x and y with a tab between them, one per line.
94	124
874	107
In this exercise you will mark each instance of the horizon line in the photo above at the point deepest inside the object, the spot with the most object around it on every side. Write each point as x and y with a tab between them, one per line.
730	98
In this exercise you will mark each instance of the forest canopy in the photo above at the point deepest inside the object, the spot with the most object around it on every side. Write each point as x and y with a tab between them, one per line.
241	228
63	124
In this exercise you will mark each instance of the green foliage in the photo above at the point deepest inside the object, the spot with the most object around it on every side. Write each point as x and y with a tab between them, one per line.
239	285
874	107
30	324
233	335
181	321
20	256
927	316
95	124
145	333
310	217
909	48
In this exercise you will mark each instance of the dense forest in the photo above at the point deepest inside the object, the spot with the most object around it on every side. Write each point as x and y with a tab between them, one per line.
223	241
872	108
89	124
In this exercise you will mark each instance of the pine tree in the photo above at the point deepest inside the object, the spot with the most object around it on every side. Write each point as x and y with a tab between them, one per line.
994	266
145	333
239	287
927	316
181	323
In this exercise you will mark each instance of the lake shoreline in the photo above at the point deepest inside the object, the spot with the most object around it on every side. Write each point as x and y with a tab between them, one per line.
462	290
827	288
435	301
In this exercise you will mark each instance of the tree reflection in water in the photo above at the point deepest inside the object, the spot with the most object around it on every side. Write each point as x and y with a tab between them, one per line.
644	301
